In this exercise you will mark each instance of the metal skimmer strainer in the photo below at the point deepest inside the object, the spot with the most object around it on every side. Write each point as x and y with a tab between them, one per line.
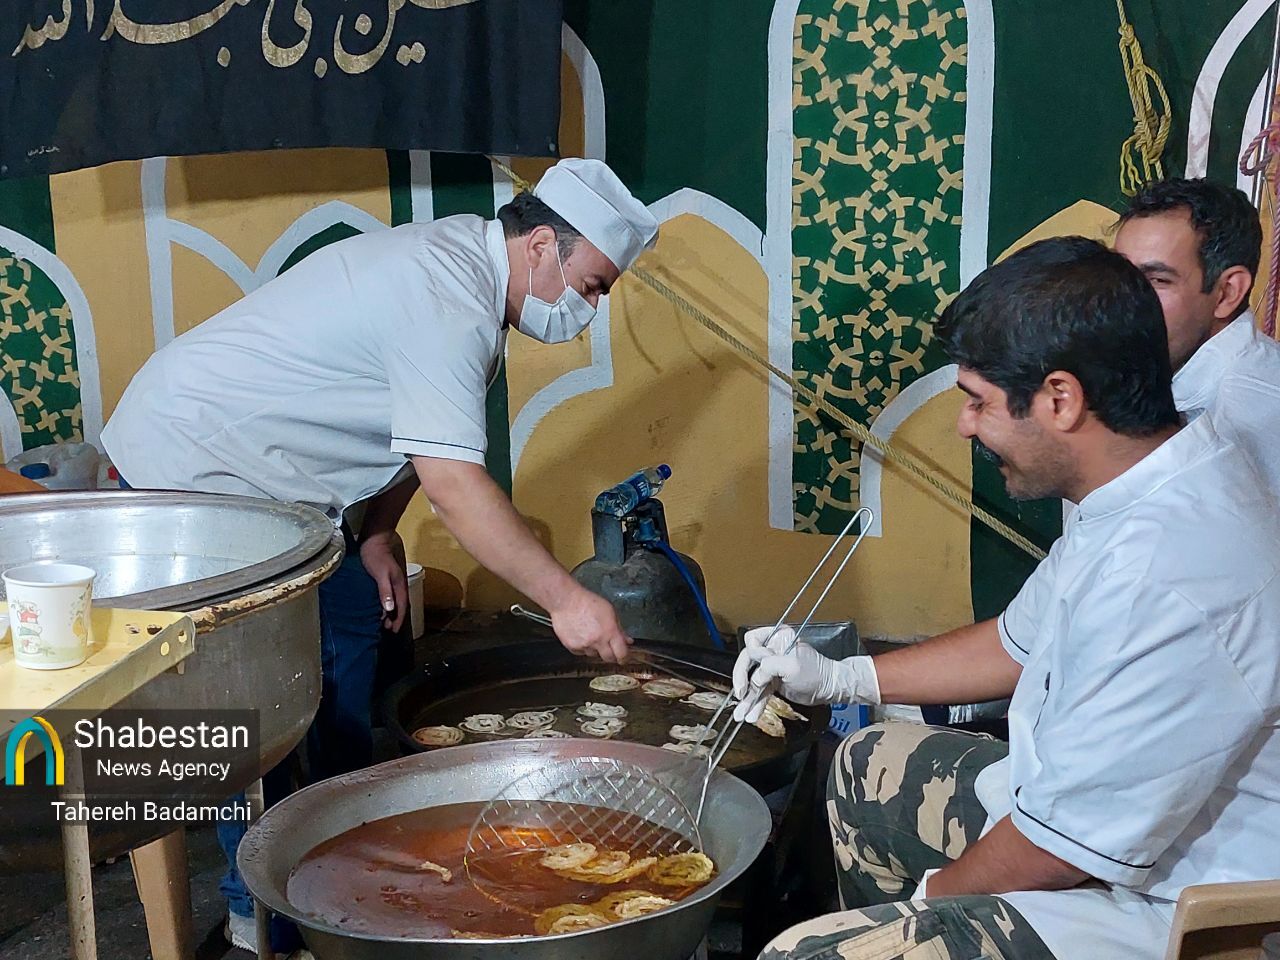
614	806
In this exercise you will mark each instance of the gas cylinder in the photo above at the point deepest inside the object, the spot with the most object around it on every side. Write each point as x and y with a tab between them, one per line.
633	570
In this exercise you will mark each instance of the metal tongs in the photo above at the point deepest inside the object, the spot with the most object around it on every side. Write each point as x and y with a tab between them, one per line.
755	694
650	658
528	614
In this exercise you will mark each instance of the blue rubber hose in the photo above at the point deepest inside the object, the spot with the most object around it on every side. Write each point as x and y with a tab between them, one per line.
665	550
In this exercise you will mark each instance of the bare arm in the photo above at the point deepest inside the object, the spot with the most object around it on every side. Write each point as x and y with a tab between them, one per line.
1002	861
966	665
487	526
382	552
386	509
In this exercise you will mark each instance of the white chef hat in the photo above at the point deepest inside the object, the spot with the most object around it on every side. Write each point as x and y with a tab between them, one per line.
591	198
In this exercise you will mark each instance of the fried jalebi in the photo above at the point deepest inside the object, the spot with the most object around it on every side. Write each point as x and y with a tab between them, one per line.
568	856
668	689
614	683
602	711
567	918
682	870
695	733
707	700
771	724
604	862
437	736
531	719
632	903
629	872
574	924
484	723
603	727
783	709
546	733
610	901
685	747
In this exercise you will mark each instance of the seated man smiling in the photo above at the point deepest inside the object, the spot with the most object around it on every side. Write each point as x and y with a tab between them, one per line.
1143	658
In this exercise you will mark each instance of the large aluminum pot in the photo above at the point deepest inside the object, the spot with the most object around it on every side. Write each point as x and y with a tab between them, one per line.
246	571
735	826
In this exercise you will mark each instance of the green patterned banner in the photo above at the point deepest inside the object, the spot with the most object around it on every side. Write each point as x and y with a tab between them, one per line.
38	363
879	134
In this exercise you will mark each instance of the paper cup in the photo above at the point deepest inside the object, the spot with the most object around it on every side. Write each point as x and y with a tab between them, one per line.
417	615
49	620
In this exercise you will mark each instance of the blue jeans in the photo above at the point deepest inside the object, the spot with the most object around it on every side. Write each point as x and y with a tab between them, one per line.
341	736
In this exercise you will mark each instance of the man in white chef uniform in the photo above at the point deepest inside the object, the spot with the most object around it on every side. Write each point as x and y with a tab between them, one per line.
1199	244
358	377
1143	659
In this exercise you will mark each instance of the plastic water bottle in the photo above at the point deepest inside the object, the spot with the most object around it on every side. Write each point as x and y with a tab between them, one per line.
59	466
620	500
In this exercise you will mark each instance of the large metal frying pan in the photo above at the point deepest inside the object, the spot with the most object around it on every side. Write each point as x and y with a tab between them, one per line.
495	679
734	829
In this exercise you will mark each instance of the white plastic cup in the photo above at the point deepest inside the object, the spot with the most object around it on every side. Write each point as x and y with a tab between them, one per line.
417	616
49	619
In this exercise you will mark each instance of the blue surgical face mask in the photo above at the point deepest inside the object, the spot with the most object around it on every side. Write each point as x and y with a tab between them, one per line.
559	321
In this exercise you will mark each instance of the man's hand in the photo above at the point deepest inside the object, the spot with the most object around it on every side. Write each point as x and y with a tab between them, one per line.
586	624
803	675
383	557
486	525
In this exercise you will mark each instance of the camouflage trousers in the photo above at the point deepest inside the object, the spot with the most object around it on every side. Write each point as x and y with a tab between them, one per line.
901	801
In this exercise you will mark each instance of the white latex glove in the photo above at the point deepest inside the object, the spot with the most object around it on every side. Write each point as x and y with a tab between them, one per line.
921	893
803	675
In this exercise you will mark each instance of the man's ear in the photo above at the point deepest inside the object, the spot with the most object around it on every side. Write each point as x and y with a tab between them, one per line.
1233	290
1060	402
537	244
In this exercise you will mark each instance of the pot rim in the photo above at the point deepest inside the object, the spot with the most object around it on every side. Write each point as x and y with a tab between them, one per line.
315	533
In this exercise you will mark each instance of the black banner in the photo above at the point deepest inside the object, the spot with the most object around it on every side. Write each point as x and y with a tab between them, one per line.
84	82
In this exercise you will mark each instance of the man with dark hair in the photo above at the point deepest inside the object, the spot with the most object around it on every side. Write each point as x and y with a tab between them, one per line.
525	213
1199	242
358	376
1141	656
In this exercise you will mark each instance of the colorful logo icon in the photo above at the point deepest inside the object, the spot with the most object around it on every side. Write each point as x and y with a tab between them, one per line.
15	753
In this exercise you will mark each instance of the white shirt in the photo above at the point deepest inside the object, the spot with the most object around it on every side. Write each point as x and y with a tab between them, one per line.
1144	732
315	387
1236	376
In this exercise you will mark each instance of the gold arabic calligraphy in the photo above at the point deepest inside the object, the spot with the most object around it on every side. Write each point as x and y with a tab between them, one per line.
34	38
123	26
